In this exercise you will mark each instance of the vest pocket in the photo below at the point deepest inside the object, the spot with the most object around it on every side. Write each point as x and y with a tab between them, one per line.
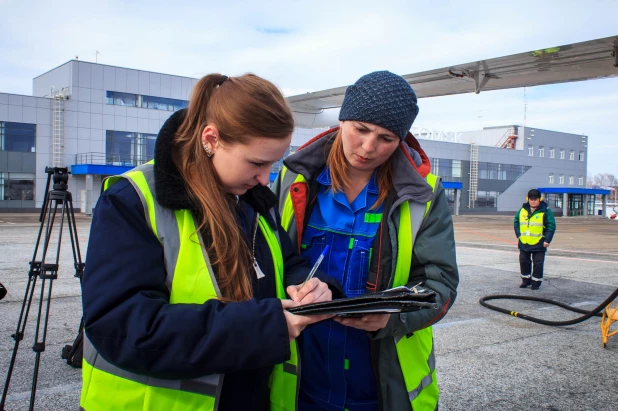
312	245
358	267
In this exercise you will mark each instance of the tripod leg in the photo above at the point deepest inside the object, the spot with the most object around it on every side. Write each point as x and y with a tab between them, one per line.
77	256
39	345
33	274
44	271
48	272
21	325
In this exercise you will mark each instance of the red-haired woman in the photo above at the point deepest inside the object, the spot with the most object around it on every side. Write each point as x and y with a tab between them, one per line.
365	190
183	294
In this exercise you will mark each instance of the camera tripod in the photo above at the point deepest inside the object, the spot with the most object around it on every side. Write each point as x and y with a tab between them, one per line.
41	268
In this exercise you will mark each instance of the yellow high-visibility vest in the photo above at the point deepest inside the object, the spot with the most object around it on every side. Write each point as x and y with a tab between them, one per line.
191	281
530	229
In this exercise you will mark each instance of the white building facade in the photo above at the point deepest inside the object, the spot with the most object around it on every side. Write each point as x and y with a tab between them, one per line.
101	120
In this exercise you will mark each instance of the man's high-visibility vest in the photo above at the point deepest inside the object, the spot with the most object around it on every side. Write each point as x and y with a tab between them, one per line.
191	281
530	228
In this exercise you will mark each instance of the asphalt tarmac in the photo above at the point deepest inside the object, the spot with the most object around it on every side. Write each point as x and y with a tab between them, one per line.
485	360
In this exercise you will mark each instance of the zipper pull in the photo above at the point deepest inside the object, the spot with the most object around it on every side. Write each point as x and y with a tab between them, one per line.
258	271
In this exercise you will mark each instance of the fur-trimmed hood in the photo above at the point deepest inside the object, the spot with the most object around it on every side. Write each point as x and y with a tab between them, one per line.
170	189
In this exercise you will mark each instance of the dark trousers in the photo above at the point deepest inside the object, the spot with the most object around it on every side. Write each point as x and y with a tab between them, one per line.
531	262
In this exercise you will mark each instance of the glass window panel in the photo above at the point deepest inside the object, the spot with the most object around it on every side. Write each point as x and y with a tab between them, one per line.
122	99
19	186
18	137
120	146
2	175
148	143
456	169
175	105
156	103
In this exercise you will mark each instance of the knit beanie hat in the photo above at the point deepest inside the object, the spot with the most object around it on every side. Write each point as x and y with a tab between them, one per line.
381	98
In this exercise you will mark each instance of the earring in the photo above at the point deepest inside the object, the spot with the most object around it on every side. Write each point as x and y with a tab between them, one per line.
208	151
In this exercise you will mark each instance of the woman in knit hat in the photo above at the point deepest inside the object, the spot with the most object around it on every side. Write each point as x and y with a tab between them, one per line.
365	190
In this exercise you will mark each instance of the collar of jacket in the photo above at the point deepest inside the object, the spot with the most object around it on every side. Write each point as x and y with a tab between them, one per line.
170	189
410	163
541	208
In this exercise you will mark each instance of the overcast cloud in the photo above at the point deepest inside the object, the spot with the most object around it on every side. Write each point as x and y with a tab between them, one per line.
307	46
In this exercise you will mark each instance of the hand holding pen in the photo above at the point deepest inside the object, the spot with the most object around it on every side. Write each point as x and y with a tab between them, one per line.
312	290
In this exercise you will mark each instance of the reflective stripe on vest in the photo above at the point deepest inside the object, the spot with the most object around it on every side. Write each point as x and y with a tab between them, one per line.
530	229
416	353
191	280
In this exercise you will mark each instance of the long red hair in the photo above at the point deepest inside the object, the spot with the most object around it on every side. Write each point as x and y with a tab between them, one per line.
340	179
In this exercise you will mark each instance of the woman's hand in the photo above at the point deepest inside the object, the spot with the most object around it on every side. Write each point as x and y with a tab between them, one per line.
313	291
297	323
368	322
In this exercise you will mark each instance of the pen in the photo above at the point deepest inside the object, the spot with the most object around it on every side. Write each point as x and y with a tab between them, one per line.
316	265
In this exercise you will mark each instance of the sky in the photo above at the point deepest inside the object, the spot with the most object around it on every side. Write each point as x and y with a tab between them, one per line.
305	46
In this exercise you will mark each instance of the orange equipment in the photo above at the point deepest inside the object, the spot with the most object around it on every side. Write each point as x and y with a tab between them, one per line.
610	315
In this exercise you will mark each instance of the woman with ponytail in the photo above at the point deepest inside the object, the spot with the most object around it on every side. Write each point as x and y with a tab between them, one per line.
184	294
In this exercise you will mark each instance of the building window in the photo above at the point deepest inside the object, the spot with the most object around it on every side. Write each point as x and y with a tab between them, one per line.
17	186
499	171
552	152
17	137
581	181
121	99
571	180
581	156
126	148
456	169
120	147
561	154
551	178
531	151
561	181
572	155
161	103
152	102
487	198
541	151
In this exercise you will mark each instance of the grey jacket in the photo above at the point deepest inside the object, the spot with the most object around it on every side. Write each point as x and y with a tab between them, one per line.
433	263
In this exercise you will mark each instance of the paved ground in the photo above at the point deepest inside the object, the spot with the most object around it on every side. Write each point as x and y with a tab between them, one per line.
486	360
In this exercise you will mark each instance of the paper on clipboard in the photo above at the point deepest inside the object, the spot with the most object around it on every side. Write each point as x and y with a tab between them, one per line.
394	300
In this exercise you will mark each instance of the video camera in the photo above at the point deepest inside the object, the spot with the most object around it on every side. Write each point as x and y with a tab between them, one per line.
60	177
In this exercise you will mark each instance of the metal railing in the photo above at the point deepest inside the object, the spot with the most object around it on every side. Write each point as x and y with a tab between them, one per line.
110	159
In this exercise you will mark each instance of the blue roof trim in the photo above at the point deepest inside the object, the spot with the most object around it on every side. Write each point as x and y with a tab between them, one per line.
572	190
99	169
452	184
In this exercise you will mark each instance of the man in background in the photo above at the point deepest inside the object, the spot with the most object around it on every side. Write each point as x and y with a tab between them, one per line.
535	226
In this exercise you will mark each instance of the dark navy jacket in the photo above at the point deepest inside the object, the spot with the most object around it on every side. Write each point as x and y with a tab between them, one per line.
549	223
128	317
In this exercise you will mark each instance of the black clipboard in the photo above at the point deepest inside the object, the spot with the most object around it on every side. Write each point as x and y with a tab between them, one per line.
394	300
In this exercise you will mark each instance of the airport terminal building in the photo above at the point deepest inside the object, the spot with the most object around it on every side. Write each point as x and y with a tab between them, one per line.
101	120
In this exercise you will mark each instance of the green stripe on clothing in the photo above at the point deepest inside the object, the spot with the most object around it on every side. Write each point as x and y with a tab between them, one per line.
373	217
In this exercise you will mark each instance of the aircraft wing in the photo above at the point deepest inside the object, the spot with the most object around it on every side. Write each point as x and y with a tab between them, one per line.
574	62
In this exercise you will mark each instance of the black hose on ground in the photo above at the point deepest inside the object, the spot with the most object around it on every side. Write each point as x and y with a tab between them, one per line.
588	314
